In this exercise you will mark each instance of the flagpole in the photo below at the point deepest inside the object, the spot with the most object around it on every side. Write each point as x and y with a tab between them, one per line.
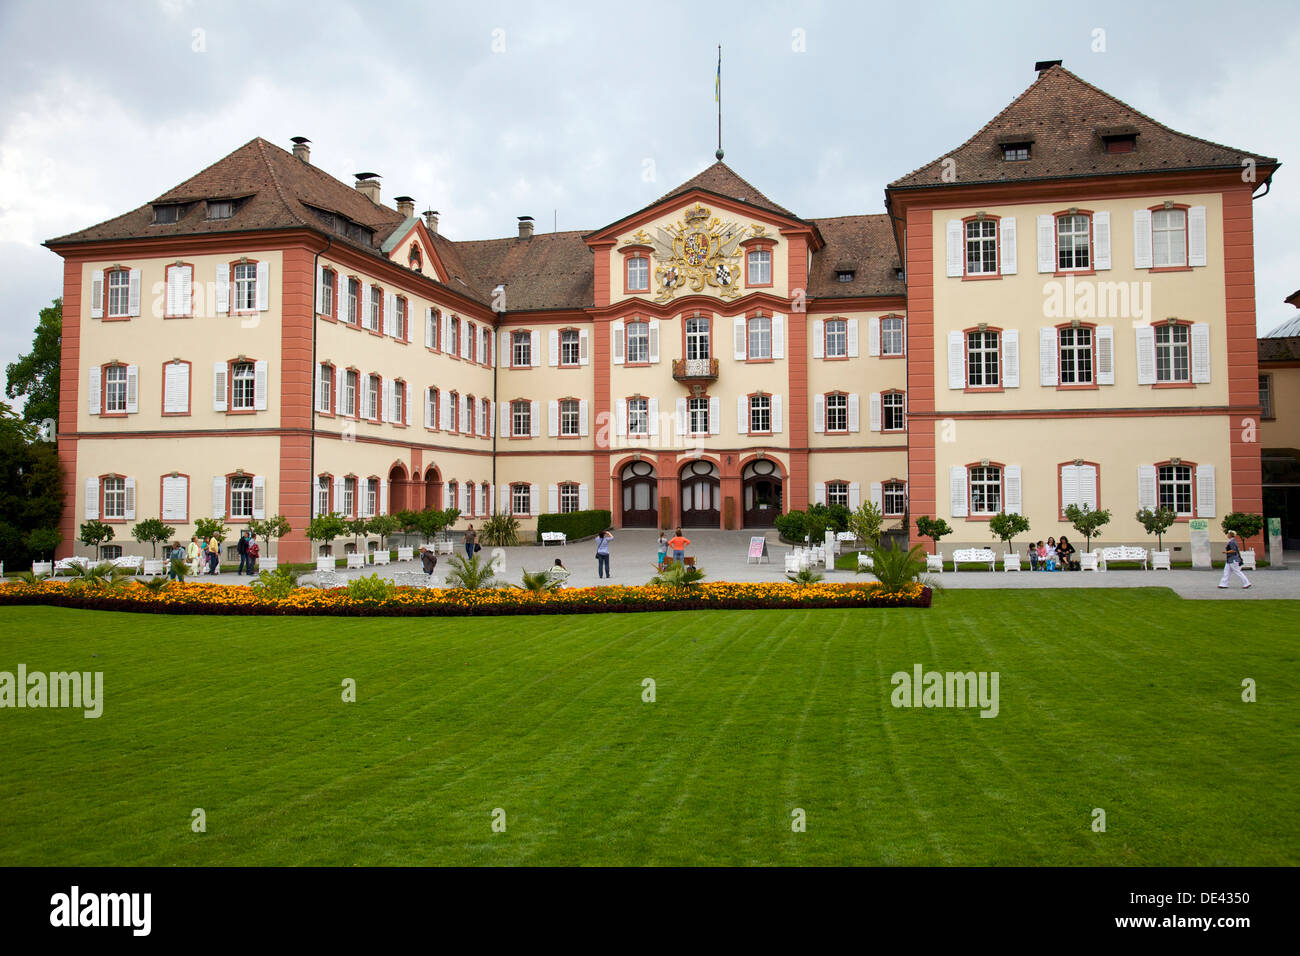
717	95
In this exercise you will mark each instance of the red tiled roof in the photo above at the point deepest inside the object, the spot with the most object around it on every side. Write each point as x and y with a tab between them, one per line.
866	245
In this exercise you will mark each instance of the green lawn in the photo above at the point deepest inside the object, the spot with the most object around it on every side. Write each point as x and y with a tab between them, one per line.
1125	700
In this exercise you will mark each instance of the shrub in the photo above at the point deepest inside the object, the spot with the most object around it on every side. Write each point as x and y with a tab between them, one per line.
1006	526
385	526
791	526
207	528
537	581
276	584
370	588
500	531
470	573
151	531
43	541
865	523
933	528
575	524
1157	523
679	577
895	568
1087	522
1245	524
94	533
276	526
805	577
326	528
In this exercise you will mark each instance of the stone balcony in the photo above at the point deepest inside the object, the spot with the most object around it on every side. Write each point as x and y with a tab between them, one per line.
695	372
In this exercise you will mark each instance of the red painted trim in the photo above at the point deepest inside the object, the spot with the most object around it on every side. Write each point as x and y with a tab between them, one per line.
919	253
997	248
1002	490
760	246
162	398
188	313
1195	496
189	484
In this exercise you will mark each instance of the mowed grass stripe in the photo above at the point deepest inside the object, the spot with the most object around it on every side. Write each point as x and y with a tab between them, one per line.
1130	702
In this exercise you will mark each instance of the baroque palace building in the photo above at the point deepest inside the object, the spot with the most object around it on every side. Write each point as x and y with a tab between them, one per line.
1061	309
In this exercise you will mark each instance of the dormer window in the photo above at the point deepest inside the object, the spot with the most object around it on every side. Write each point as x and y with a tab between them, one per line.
1118	139
220	208
844	275
166	213
414	259
1015	152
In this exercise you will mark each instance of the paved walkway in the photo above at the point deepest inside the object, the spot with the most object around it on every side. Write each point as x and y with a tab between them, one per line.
722	555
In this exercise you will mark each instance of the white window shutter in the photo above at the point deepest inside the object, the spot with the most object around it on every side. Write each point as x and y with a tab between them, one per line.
97	294
186	293
855	494
620	417
852	336
505	500
1141	238
444	410
1088	486
533	501
778	336
877	494
740	350
535	418
129	499
92	499
219	372
467	343
133	293
132	389
553	348
173	291
682	423
219	496
874	410
957	491
1101	240
584	498
1200	354
263	286
1205	504
777	423
715	415
1105	355
873	336
1196	246
652	411
428	412
94	389
819	413
176	388
223	287
552	418
491	419
259	496
386	321
383	497
1069	486
855	412
654	341
616	332
583	416
339	372
582	346
505	355
430	333
406	419
1011	358
956	254
1047	357
259	385
742	414
1046	243
338	493
535	347
552	499
819	339
956	360
1146	355
1012	504
505	419
1007	245
321	307
175	495
819	493
410	322
1147	487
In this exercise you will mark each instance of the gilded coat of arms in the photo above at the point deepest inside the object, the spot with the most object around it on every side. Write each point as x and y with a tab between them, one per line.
700	251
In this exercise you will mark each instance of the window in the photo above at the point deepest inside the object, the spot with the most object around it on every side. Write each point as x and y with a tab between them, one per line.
374	308
895	498
570	347
167	214
1076	356
322	494
220	208
521	348
1173	353
638	416
453	494
245	287
372	496
837	338
241	498
119	293
486	411
1072	248
468	417
1266	396
981	247
891	335
638	343
431	411
638	274
371	410
452	345
697	338
844	275
521	418
324	387
349	506
985	490
837	493
414	259
1174	485
569	424
1015	152
892	408
110	552
397	412
487	351
485	492
568	498
471	342
760	337
982	359
697	415
399	319
327	279
521	500
242	387
115	390
114	499
760	413
354	297
760	267
351	381
837	412
454	401
1168	238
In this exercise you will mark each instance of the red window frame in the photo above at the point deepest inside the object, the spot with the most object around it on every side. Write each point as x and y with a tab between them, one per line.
400	420
635	252
126	387
750	411
627	341
1002	490
708	418
1060	490
379	398
771	337
471	428
760	245
334	399
345	297
710	319
454	398
230	286
997	249
826	413
638	397
1187	238
332	305
1155	354
578	332
355	414
329	491
103	515
511	417
105	316
486	405
167	271
891	355
826	339
230	385
884	497
529	333
162	398
377	292
1056	244
230	496
893	431
1092	327
837	481
454	330
1179	519
404	310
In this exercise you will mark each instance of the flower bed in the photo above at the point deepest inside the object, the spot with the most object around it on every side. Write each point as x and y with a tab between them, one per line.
423	602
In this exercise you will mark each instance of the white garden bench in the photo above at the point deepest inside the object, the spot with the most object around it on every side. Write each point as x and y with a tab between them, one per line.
1248	560
1160	561
131	562
1011	562
934	562
405	554
67	564
356	560
153	567
380	557
1090	560
973	556
42	567
549	537
1123	552
864	560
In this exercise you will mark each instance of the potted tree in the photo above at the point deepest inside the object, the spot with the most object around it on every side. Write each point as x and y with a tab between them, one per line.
276	526
151	531
1005	527
1087	522
92	534
1157	522
936	529
325	528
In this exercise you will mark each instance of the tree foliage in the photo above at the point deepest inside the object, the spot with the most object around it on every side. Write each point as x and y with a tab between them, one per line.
276	526
31	486
1006	526
933	528
35	376
94	533
1246	525
866	522
1157	523
1087	522
151	531
326	528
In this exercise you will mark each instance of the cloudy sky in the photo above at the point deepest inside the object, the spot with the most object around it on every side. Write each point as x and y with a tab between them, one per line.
577	113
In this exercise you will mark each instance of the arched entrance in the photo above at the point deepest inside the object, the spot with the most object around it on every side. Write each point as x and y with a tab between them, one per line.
640	489
397	496
701	495
761	488
432	489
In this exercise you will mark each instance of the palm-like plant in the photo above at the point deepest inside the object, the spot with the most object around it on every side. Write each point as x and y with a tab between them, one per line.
678	576
180	569
895	568
537	581
470	573
500	531
805	576
97	577
27	577
155	585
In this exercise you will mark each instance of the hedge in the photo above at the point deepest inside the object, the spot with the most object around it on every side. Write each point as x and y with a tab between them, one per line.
575	524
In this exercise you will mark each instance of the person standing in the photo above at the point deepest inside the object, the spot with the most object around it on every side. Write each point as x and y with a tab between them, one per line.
471	542
254	552
214	553
679	544
1232	562
174	554
243	552
194	552
602	554
663	549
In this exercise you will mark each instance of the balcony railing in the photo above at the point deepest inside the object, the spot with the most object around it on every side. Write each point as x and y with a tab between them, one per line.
695	370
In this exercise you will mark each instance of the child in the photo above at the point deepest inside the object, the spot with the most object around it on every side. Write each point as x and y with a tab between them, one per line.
663	549
1051	554
1042	556
1033	556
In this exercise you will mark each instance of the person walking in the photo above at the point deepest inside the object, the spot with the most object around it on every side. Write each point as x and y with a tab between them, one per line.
174	554
1232	562
194	552
602	554
471	542
254	552
679	544
214	555
243	553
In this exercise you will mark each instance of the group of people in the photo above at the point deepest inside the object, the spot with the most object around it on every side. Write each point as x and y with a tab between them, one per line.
1053	555
204	557
677	544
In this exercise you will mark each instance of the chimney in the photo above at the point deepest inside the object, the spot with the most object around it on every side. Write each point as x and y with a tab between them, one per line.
1042	66
405	206
431	220
525	227
301	149
368	186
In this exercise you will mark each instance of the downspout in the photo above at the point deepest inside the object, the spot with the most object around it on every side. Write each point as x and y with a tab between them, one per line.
495	426
315	376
